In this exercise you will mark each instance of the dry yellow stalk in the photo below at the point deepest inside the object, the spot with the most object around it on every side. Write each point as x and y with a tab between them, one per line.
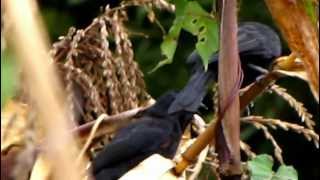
305	116
45	90
309	134
247	149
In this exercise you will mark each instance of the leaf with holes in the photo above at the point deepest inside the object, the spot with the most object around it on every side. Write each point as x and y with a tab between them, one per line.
191	17
208	41
200	23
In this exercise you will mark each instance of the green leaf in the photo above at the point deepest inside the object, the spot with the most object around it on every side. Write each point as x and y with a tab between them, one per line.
191	17
8	77
208	41
260	168
169	44
200	23
286	173
180	6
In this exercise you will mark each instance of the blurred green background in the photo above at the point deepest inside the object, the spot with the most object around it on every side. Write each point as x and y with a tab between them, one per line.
59	15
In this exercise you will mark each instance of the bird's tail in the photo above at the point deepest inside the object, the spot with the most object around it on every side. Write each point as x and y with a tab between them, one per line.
191	96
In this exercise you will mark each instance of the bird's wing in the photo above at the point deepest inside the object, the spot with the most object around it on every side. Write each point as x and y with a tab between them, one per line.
248	42
136	141
195	63
190	97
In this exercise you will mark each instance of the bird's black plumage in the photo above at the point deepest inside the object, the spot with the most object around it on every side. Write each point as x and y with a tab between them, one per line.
156	131
258	45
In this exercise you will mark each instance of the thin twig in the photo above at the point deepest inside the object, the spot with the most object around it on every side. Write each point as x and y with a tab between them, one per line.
109	124
91	135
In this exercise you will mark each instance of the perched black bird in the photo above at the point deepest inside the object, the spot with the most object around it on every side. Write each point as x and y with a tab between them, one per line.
258	45
160	127
156	131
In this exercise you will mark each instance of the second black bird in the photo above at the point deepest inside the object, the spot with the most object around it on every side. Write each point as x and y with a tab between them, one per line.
258	45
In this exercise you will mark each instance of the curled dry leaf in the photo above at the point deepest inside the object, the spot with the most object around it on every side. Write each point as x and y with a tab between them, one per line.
17	141
301	35
155	167
13	124
41	169
290	66
8	162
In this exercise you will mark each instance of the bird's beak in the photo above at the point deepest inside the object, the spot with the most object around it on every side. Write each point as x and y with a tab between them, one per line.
204	106
258	68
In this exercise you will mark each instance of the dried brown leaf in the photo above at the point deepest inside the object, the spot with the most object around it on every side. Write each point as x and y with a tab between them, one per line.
291	66
14	124
146	169
42	169
301	35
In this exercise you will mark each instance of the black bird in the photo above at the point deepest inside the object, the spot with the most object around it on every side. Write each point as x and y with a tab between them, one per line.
156	131
258	45
160	127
